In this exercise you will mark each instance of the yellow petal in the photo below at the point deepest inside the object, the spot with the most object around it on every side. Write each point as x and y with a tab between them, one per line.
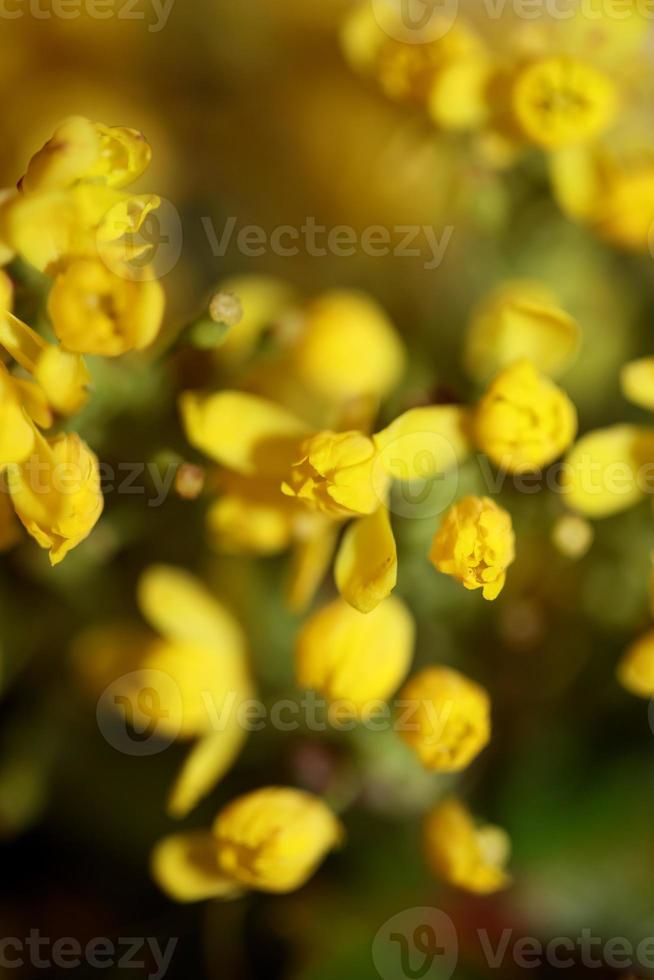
248	434
64	379
179	607
206	764
17	433
636	669
263	299
520	320
312	556
366	564
185	867
608	470
424	442
34	402
354	658
637	382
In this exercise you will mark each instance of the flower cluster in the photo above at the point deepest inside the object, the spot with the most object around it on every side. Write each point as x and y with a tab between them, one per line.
67	219
571	88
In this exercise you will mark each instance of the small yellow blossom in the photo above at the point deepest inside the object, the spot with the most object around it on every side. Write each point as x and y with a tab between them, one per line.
524	421
335	473
56	493
347	347
270	840
637	382
353	658
520	320
84	151
251	516
560	101
463	854
96	311
475	544
445	718
636	669
609	470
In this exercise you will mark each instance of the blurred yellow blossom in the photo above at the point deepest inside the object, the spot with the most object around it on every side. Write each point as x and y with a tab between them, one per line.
524	421
347	347
609	470
463	854
520	320
353	658
560	101
270	840
445	718
572	535
636	669
475	544
637	382
195	671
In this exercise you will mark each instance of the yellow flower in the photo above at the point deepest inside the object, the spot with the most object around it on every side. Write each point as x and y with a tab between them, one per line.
560	101
347	347
636	669
81	150
251	516
637	382
475	544
95	311
524	421
610	188
463	854
520	320
56	493
609	470
353	658
191	676
271	840
335	474
445	718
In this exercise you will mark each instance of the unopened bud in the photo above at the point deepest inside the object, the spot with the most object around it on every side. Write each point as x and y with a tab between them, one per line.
189	481
226	308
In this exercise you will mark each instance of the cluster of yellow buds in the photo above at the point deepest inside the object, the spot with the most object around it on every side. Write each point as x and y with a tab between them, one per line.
530	85
66	219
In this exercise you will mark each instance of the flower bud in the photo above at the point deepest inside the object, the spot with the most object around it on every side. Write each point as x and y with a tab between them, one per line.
444	718
463	854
